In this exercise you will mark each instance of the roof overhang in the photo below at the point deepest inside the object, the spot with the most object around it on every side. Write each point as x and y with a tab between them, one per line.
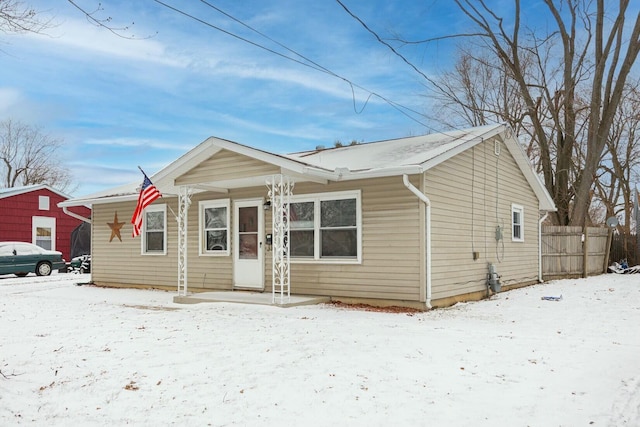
15	191
98	200
301	171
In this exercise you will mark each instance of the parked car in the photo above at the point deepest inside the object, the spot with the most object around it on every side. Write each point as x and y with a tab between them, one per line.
80	264
22	258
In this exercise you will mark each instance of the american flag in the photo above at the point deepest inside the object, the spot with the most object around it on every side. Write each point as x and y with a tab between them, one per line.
148	193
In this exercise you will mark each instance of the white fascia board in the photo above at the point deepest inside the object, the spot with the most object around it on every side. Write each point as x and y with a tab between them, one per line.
318	173
212	145
98	200
308	177
188	160
473	140
107	199
346	175
274	159
15	191
545	201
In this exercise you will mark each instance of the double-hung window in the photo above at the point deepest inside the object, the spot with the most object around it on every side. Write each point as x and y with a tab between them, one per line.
326	227
517	223
214	227
155	230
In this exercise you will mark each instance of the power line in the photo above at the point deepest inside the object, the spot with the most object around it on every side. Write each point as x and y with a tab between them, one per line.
307	62
354	16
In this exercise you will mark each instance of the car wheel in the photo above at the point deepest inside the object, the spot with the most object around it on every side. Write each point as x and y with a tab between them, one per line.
43	269
21	274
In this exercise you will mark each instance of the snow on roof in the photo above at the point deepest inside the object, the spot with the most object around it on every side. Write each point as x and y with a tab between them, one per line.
390	154
14	191
411	155
123	193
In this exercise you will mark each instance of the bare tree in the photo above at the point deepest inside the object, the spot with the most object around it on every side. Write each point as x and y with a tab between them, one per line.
29	156
583	59
96	17
478	92
16	17
596	49
618	167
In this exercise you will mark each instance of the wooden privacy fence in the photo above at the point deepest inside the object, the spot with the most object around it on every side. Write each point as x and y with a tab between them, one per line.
624	246
574	251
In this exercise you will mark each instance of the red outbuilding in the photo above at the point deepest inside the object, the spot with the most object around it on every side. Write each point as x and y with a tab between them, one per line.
31	214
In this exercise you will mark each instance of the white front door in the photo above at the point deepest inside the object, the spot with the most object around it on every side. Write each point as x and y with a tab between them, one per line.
248	231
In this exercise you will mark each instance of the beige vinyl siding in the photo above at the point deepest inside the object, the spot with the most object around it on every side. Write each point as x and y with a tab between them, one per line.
392	243
226	165
471	194
208	272
392	266
122	263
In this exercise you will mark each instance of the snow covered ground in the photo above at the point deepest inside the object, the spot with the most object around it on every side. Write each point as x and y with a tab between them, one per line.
83	355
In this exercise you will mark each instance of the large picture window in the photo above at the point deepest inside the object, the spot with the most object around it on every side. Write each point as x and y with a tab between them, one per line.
325	227
155	230
214	227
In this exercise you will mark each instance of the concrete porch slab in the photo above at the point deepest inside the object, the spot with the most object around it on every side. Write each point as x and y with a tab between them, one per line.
246	297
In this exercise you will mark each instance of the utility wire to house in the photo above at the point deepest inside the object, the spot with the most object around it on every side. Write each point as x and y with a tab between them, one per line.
305	61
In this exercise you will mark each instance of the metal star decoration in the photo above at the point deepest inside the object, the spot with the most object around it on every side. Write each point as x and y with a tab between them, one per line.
115	227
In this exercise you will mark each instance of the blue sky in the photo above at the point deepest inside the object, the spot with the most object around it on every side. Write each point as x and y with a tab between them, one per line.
119	103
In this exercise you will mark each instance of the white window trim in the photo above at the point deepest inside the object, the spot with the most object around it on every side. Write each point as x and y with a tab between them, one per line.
44	222
220	203
153	208
43	203
520	209
317	198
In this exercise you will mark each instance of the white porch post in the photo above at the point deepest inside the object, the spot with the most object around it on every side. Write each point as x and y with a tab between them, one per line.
280	190
184	200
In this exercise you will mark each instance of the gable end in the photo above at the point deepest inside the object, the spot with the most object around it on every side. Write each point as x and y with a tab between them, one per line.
226	165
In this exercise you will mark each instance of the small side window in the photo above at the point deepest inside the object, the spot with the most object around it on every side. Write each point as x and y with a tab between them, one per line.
43	203
155	230
517	223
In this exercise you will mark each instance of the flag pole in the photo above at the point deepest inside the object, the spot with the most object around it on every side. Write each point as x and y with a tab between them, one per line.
161	195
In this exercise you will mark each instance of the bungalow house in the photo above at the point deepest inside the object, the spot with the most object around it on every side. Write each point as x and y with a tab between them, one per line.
420	221
30	214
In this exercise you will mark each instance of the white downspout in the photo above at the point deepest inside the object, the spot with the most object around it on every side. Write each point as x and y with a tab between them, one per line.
75	215
540	280
420	195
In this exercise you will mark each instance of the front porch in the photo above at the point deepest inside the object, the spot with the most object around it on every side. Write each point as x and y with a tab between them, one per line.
247	297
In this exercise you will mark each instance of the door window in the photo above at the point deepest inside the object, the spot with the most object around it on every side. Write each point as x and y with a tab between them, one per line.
43	237
248	232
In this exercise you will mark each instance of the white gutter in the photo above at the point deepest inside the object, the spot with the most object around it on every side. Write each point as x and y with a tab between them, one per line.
344	174
75	215
540	246
420	195
99	200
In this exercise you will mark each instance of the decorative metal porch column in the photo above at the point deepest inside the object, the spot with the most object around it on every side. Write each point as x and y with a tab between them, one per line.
184	200
280	190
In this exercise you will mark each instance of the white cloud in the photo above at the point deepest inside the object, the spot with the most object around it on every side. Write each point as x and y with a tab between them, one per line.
15	105
79	38
9	98
138	142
